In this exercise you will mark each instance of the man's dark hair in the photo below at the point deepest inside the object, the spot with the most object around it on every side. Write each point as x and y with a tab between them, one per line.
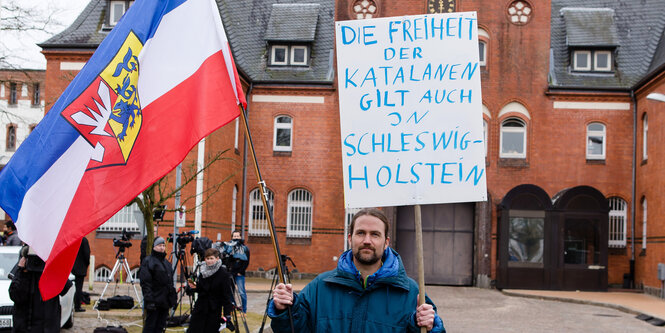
211	252
371	212
10	225
234	231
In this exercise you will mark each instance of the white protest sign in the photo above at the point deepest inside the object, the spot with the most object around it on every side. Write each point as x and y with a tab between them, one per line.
411	110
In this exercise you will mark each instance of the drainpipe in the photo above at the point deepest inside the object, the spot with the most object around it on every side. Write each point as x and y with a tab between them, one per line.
243	211
634	194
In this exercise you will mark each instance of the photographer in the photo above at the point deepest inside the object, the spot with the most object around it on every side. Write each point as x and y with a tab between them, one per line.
237	254
215	292
31	313
156	277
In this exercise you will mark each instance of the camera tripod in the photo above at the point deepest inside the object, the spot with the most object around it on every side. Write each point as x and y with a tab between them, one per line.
181	268
120	264
275	280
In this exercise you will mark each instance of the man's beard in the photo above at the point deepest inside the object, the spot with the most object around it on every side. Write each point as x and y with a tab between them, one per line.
373	259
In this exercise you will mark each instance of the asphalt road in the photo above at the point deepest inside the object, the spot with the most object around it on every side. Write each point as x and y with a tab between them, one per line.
481	310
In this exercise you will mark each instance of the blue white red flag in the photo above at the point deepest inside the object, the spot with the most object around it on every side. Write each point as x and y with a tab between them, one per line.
163	79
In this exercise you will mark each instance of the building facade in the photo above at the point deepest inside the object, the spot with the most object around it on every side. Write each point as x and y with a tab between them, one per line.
570	160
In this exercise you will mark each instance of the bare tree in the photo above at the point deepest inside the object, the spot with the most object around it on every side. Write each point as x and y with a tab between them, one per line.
161	191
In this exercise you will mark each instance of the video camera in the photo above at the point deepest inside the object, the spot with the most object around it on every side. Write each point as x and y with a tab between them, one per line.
124	242
183	238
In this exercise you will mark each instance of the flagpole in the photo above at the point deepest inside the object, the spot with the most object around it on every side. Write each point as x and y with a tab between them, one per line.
268	212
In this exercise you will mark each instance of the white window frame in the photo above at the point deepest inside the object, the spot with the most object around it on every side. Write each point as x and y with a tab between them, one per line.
286	55
644	223
299	214
293	55
609	61
102	274
482	57
645	136
235	140
36	94
258	227
603	134
348	216
588	58
124	219
505	129
113	9
618	215
234	204
485	130
278	126
12	137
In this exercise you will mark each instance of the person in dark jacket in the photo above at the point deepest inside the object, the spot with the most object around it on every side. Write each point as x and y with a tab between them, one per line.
368	292
80	269
238	260
159	295
215	295
31	314
11	238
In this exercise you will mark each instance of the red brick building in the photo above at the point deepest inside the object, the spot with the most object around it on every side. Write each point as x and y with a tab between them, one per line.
566	89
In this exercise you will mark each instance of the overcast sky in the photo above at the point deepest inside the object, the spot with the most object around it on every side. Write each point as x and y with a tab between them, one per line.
22	46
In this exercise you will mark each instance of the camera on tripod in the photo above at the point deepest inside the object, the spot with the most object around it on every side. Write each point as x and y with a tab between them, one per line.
183	238
123	242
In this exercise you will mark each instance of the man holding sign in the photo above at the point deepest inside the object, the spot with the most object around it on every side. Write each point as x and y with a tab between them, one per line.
368	292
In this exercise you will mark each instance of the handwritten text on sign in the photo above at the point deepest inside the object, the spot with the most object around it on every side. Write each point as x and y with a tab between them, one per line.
410	109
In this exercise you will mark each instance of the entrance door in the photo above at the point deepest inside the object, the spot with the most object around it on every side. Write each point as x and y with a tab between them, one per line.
447	242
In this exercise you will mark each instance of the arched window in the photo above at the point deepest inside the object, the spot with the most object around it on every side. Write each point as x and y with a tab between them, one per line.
11	137
618	216
595	141
513	138
282	136
135	273
258	222
102	274
645	130
299	214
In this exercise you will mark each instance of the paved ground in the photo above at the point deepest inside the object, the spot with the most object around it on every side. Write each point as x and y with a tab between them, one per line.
468	310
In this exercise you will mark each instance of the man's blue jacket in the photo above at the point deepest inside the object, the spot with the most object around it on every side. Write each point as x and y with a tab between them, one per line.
336	301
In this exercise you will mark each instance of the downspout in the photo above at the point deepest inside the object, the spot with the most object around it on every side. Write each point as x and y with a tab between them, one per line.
243	211
634	191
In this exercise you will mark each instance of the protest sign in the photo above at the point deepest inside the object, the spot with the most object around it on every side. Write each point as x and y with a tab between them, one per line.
411	110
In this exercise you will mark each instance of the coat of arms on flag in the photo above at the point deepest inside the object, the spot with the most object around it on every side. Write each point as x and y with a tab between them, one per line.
108	113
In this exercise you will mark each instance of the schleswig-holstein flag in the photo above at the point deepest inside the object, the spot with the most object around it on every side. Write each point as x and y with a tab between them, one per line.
163	79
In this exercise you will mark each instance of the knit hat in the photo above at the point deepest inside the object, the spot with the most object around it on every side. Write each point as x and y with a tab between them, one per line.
158	240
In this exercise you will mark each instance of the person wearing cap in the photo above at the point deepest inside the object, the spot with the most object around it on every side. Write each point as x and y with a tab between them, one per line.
156	277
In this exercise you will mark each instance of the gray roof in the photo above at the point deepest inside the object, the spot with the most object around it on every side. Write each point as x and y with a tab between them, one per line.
248	27
283	27
590	26
639	26
87	31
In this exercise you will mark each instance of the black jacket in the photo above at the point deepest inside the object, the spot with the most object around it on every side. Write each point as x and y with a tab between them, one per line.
82	261
156	277
238	257
215	293
31	313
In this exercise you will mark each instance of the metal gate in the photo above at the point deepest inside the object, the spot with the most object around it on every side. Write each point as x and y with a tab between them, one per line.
447	242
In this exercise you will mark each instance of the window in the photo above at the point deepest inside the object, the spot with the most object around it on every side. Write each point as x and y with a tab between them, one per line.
644	223
482	53
235	139
595	141
581	242
36	95
234	203
299	214
617	229
364	9
11	137
13	91
592	60
294	55
258	222
513	138
125	219
102	274
645	130
117	9
282	137
347	224
526	241
485	135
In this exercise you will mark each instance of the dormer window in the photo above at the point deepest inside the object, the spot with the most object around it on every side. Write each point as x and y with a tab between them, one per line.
592	61
117	9
289	55
290	42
